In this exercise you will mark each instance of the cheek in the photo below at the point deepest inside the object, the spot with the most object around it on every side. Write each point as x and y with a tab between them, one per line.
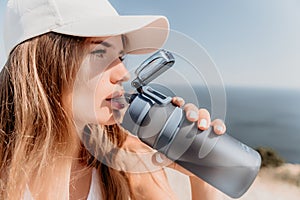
89	104
83	101
104	113
101	91
83	107
105	116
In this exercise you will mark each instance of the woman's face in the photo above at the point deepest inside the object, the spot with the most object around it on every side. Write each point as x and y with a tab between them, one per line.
98	94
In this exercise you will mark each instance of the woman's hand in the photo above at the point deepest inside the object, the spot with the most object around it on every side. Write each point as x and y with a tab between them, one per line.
199	188
202	116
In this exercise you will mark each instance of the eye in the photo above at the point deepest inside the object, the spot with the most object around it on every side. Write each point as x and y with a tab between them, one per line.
99	53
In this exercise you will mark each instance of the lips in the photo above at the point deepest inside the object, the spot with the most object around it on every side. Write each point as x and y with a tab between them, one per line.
116	100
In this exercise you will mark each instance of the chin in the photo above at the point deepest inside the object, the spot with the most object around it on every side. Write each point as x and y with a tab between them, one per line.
108	121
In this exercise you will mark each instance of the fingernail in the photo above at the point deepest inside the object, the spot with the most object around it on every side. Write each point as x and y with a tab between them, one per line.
219	128
193	115
203	123
159	158
179	99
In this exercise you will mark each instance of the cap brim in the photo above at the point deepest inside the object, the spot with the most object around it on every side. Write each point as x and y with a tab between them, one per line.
144	34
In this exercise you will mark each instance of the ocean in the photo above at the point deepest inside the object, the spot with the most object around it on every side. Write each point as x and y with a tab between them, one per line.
262	117
266	118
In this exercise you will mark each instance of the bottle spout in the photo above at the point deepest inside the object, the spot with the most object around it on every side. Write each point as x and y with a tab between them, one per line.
130	97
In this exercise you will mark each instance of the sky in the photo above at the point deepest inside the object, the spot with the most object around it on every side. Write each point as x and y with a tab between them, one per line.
254	43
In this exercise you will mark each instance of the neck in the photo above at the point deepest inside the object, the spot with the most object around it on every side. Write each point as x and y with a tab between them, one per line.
80	180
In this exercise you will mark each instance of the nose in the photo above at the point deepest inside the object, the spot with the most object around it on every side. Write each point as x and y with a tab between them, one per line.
119	73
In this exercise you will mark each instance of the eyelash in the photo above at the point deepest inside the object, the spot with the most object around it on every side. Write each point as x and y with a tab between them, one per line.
122	57
100	53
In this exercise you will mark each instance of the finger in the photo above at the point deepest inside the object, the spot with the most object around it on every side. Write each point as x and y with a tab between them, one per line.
178	101
192	112
160	159
219	126
204	120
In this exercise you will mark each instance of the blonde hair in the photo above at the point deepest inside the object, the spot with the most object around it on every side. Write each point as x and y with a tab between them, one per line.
36	137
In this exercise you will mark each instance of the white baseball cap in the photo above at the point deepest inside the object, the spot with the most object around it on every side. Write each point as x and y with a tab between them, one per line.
26	19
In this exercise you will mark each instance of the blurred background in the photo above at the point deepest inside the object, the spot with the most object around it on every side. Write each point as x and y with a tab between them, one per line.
256	48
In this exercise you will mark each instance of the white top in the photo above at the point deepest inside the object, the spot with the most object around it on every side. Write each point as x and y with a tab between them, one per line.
94	193
178	182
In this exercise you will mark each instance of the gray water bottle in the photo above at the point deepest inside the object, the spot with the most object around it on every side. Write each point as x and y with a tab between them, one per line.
221	161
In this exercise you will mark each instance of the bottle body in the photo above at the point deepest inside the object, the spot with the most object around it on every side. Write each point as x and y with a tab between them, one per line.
228	165
222	161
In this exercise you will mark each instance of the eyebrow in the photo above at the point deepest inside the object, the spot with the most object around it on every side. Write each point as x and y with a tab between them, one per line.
106	44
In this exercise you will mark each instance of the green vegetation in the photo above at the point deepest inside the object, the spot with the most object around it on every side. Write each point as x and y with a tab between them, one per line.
269	157
288	177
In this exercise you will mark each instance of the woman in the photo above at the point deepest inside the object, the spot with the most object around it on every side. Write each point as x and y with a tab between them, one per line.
61	88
